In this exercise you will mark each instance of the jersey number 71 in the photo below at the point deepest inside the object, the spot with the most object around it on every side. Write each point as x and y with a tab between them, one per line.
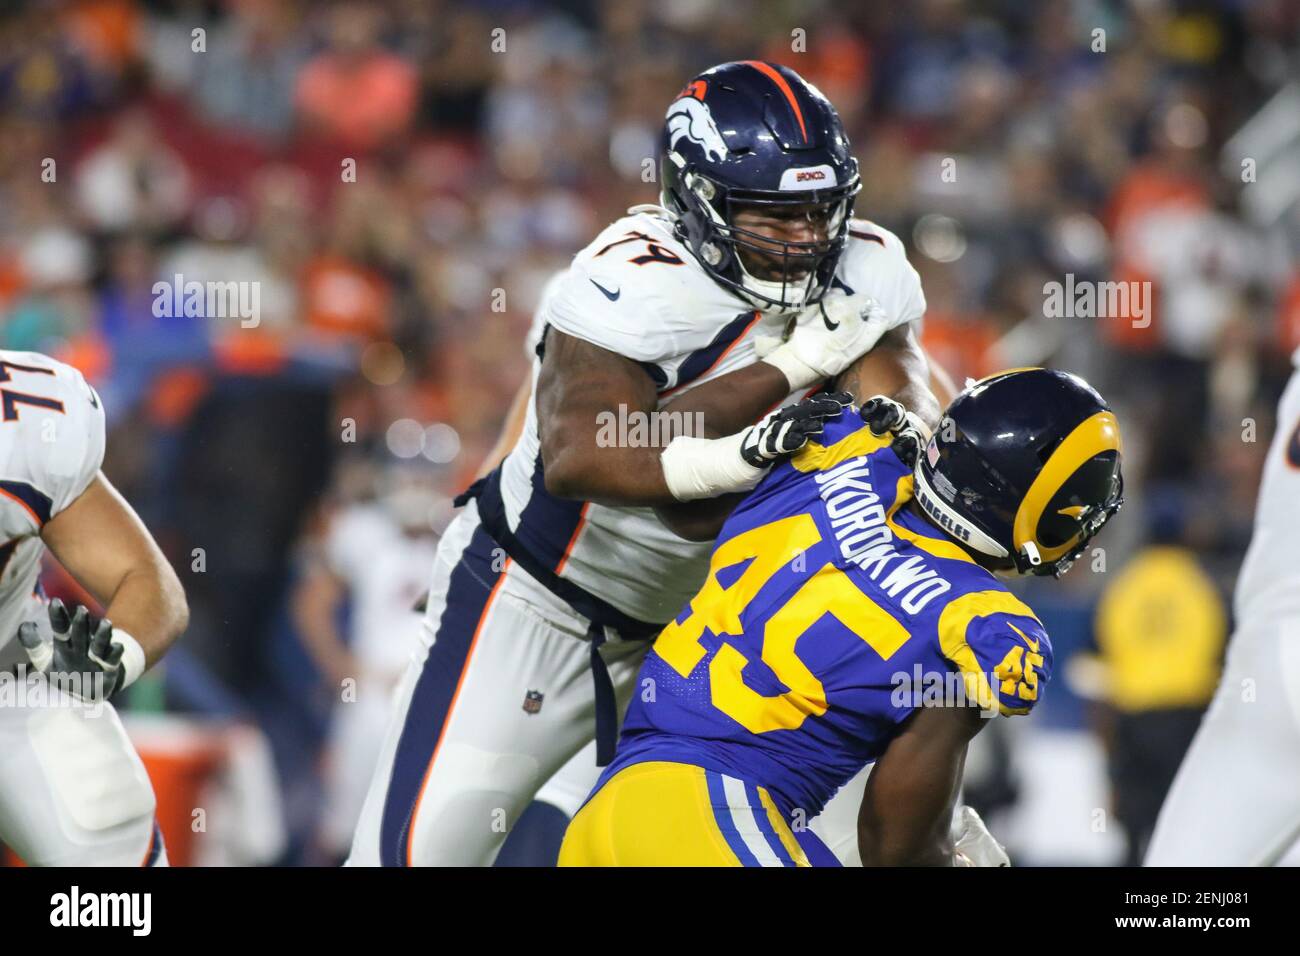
10	400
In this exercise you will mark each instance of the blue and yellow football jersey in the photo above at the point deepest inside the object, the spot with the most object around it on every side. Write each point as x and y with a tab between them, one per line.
831	611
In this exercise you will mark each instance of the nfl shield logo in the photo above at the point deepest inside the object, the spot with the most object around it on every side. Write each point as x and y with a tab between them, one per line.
533	701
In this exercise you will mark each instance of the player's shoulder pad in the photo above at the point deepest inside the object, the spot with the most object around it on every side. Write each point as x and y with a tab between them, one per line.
56	423
875	262
627	290
999	646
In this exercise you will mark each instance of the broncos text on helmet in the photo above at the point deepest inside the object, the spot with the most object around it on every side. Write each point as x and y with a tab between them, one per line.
1024	469
755	136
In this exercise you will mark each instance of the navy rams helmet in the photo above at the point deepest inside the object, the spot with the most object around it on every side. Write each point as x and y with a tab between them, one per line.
755	135
1024	467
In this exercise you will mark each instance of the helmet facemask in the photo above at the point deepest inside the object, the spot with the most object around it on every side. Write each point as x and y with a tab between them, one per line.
1088	523
780	275
963	525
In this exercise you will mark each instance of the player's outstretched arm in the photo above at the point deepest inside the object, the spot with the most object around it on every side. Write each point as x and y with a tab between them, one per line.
107	549
578	386
907	807
582	387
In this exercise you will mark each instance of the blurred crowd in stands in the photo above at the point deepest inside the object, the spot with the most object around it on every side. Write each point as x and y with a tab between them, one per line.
401	177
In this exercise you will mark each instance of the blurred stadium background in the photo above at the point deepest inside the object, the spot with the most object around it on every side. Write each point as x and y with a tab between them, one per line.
286	467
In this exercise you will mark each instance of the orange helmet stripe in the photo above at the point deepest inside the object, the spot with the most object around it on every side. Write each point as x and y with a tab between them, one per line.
784	87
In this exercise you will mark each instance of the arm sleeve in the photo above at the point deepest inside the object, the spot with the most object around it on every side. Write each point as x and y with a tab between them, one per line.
1005	657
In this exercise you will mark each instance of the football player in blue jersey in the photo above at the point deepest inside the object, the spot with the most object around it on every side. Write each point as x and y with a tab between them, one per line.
854	614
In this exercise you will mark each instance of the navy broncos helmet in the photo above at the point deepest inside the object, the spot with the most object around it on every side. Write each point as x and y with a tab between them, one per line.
756	135
1025	466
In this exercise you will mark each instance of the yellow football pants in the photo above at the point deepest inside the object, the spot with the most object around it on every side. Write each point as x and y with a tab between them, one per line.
675	814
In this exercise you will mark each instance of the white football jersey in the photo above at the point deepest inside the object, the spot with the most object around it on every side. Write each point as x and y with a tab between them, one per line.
1268	586
51	447
386	571
638	291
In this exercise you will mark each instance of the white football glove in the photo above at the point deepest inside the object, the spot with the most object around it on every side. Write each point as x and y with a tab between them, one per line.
972	843
707	467
827	338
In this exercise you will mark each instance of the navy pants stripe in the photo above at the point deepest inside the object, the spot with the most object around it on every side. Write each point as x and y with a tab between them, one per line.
470	590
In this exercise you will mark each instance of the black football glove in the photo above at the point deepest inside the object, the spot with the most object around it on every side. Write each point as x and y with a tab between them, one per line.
788	429
83	645
884	415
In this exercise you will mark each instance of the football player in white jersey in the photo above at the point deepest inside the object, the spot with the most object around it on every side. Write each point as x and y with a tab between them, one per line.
750	289
378	554
73	791
1236	798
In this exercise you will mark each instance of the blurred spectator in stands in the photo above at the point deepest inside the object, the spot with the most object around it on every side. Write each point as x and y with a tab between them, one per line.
133	180
55	262
355	91
224	249
43	74
246	78
548	116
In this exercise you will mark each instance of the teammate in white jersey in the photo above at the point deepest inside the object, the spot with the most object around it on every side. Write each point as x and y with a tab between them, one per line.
378	554
73	791
749	290
1236	798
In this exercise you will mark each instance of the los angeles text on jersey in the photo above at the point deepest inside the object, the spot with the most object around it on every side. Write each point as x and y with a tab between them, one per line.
861	529
75	908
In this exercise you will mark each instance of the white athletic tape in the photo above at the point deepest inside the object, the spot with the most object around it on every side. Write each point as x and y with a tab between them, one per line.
707	467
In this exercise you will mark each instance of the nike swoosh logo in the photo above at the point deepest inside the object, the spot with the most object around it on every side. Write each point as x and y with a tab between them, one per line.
1033	645
612	296
836	283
